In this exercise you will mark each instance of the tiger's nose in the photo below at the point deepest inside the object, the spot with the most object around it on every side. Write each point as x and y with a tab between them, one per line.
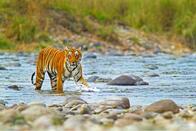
73	63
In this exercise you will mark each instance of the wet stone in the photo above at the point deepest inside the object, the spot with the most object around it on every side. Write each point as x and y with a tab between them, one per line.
163	106
151	67
14	87
125	80
168	115
74	98
84	109
185	114
150	115
98	79
33	112
37	104
3	68
3	102
2	107
90	56
150	74
117	102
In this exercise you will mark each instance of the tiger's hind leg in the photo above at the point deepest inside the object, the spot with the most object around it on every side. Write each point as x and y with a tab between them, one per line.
39	79
53	81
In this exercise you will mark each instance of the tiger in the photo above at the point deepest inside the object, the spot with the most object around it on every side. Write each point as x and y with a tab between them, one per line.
59	65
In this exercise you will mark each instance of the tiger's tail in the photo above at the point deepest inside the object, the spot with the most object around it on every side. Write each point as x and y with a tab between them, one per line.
32	78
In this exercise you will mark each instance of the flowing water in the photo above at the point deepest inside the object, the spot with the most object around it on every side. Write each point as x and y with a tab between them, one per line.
176	81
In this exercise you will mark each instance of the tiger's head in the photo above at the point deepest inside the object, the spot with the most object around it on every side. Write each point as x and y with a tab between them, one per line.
73	57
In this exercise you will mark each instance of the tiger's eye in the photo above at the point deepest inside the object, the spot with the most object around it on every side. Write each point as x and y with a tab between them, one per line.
69	55
76	55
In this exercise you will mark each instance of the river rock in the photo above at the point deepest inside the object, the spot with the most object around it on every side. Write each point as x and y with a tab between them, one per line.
127	80
163	106
98	79
90	56
33	112
14	87
19	107
149	115
133	117
107	122
73	100
117	102
37	104
8	116
185	114
47	121
168	115
151	66
2	68
3	102
151	74
43	122
123	122
84	109
76	121
2	107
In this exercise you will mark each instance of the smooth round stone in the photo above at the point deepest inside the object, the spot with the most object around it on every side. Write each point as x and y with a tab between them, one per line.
74	103
43	122
150	74
123	122
48	121
75	121
7	116
125	80
14	87
163	106
33	112
186	114
168	115
194	108
117	102
3	68
2	107
107	122
3	102
133	117
149	115
84	109
36	104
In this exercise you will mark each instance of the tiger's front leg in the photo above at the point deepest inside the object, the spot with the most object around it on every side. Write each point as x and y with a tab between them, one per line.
78	77
59	84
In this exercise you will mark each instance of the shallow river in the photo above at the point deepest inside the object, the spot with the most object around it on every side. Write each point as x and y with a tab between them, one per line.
176	80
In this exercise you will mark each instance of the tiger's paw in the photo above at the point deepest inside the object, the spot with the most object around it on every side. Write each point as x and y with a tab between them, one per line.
87	89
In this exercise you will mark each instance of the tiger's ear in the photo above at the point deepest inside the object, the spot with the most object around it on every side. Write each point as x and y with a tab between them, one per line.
80	48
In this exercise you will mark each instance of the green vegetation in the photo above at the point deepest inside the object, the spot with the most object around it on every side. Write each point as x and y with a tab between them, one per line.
29	20
5	43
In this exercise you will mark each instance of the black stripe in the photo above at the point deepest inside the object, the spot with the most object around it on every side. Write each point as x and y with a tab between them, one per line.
79	78
32	76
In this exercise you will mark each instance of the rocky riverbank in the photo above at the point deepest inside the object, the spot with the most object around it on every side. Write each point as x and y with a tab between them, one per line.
112	114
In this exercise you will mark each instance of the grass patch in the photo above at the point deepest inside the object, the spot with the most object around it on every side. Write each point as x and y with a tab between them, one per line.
5	43
27	21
